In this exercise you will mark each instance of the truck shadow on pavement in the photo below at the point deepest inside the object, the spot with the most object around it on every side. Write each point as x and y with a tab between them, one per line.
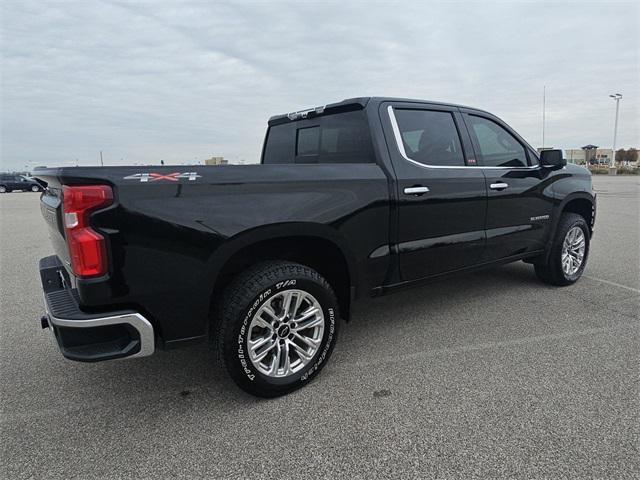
190	373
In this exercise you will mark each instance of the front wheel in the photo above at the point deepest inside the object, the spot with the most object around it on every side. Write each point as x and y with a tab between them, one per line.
569	251
3	189
277	328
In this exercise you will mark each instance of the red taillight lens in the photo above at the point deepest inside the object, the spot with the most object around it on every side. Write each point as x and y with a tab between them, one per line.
86	246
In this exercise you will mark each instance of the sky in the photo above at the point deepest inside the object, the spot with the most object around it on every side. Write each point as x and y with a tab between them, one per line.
184	81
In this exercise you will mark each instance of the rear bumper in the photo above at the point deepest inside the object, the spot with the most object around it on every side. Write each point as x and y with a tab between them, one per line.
90	337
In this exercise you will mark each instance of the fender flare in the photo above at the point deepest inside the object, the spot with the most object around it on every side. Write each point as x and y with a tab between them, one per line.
221	255
557	212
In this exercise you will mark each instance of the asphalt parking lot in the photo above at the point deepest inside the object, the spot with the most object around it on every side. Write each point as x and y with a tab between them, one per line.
485	375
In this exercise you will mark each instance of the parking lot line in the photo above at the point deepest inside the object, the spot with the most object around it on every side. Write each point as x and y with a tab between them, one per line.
403	358
614	284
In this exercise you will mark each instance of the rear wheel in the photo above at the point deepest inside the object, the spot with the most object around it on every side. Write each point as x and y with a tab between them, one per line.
277	328
569	251
35	188
3	189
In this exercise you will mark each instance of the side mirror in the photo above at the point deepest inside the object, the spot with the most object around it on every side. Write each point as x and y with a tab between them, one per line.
552	158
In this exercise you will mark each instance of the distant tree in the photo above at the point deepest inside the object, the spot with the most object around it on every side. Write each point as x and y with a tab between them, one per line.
620	155
631	155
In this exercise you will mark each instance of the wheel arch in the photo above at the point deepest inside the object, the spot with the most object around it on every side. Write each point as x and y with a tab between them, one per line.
318	246
582	204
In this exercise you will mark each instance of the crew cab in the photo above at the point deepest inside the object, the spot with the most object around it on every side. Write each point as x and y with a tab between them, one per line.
350	200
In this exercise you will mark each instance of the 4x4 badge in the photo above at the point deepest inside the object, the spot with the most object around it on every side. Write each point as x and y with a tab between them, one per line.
154	177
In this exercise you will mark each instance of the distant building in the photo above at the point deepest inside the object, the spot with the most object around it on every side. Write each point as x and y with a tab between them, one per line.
589	154
216	161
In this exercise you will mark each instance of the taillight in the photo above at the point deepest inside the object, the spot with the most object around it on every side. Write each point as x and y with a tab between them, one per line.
87	248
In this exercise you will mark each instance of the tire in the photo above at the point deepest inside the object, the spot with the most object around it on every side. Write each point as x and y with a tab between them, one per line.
4	189
252	310
35	188
553	272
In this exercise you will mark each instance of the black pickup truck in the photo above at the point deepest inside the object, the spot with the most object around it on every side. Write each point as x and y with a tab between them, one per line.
350	200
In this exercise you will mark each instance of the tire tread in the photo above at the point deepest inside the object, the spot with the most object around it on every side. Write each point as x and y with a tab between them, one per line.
551	271
242	290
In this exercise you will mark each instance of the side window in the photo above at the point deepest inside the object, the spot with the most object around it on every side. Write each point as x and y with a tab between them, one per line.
498	148
430	137
336	138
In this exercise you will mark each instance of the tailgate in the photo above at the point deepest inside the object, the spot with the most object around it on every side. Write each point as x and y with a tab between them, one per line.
51	208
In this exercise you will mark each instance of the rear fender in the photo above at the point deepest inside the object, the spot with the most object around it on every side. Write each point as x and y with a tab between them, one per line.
273	232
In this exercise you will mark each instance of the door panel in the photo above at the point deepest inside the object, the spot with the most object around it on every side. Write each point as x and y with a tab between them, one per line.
519	204
518	217
444	229
441	202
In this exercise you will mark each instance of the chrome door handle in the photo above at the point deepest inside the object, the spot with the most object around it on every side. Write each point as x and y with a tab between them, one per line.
415	190
498	186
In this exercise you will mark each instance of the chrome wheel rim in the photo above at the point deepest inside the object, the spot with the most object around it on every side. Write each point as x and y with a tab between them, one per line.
573	249
285	333
34	189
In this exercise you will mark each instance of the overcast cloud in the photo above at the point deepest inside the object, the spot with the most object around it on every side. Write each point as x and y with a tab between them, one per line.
184	81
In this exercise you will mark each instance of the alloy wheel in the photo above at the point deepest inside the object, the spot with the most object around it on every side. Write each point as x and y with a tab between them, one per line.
573	249
285	333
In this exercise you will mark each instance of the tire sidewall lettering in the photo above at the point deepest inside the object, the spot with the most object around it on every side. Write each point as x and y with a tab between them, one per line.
246	365
325	350
242	355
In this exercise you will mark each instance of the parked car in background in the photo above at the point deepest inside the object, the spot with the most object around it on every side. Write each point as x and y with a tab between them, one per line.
9	183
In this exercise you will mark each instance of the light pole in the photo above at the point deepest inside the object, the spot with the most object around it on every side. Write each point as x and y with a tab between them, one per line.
544	108
617	98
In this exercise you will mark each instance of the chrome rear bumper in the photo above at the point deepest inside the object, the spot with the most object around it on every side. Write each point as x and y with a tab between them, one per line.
90	337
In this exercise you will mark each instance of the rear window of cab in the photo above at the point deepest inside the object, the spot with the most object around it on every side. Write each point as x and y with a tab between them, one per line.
337	138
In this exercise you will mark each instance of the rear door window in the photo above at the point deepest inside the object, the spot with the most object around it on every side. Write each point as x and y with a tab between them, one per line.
430	137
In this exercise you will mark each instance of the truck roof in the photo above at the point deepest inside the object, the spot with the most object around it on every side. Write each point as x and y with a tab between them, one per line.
351	104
